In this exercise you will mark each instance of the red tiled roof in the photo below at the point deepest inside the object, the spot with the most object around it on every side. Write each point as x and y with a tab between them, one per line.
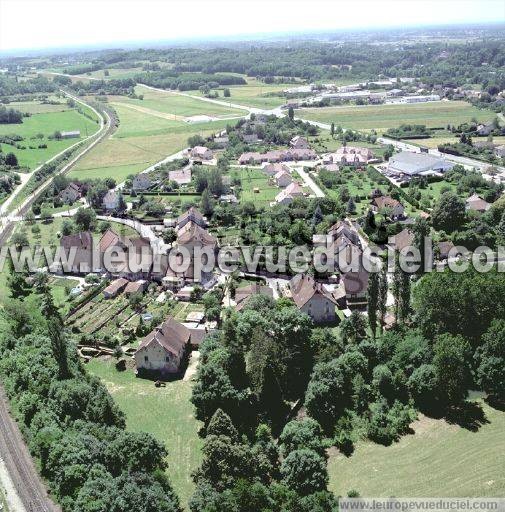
171	335
304	287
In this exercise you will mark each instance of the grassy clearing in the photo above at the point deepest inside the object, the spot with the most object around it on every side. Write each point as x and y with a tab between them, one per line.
438	460
141	140
115	73
37	107
257	93
435	141
165	413
118	172
256	187
382	117
254	94
325	143
185	106
45	124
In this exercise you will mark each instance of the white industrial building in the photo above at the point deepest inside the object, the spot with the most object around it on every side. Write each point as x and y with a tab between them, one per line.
407	162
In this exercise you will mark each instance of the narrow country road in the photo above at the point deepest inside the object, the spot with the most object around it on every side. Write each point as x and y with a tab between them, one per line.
309	182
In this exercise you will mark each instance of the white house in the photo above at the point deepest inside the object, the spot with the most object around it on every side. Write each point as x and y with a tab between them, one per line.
271	169
283	179
477	204
287	195
201	153
142	181
393	206
111	200
164	349
312	298
70	193
299	142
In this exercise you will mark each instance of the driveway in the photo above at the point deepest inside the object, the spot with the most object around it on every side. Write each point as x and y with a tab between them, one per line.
310	183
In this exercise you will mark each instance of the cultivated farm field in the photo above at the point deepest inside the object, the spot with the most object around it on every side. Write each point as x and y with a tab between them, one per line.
440	459
381	117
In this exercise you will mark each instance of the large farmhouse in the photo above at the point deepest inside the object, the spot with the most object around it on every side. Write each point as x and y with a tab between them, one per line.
312	298
163	351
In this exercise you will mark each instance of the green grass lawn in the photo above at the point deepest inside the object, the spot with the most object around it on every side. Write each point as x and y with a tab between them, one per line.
115	73
325	143
165	413
141	140
254	94
382	117
438	460
46	124
37	107
252	179
171	103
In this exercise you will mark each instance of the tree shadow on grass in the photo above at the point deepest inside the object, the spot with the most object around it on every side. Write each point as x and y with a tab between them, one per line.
493	402
469	415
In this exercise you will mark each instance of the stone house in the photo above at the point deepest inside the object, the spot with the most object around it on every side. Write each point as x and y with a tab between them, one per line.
162	353
393	206
312	298
78	250
283	179
70	193
111	200
299	142
201	153
142	181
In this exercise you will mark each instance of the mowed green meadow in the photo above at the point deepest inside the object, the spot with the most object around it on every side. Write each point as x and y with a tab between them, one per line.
142	139
259	94
381	117
180	104
164	412
254	94
256	186
46	123
440	459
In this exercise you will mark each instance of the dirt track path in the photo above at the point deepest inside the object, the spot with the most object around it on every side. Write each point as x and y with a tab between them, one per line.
23	474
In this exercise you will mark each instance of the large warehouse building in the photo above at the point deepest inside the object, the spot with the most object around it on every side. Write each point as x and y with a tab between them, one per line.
412	164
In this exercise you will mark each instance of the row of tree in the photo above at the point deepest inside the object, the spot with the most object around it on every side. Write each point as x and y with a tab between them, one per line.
72	426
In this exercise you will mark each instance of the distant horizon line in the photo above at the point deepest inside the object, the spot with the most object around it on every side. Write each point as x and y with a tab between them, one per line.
231	38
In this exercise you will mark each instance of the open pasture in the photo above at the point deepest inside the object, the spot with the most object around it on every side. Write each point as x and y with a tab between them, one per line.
381	117
164	412
141	140
36	130
180	105
440	459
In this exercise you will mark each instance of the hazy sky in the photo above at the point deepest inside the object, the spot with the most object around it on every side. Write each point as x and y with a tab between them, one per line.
50	23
